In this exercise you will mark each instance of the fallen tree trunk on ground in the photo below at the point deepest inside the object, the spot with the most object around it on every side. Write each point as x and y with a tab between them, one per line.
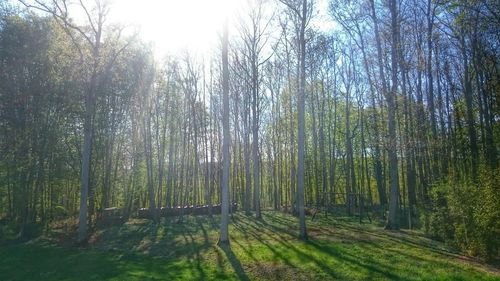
144	213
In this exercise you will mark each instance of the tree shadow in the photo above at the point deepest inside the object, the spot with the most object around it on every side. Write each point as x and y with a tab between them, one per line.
357	260
250	233
336	249
235	262
277	230
258	228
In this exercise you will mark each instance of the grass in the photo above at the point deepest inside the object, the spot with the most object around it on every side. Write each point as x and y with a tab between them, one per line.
267	249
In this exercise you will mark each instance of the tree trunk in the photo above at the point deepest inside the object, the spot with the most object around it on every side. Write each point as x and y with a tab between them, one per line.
301	121
392	222
224	235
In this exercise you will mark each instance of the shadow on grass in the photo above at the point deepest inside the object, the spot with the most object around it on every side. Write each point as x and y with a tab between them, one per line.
265	248
35	262
168	239
390	255
258	228
282	231
138	251
235	262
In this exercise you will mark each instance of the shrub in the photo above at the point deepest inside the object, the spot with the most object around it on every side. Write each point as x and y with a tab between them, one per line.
467	215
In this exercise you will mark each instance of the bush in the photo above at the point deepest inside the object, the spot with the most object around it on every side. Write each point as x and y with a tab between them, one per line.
59	212
467	215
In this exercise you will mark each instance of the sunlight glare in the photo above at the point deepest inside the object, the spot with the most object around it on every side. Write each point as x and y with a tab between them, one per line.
175	25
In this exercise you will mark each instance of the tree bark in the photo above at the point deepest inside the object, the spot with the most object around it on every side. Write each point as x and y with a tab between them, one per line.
224	235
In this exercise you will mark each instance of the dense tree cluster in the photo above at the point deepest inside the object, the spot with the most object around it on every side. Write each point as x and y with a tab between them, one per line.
391	114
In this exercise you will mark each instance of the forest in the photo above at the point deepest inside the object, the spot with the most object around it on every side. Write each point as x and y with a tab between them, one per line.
312	140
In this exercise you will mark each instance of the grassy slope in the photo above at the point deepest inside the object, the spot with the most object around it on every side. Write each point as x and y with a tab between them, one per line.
339	249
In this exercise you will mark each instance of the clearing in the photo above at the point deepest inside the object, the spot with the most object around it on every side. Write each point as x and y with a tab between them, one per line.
267	249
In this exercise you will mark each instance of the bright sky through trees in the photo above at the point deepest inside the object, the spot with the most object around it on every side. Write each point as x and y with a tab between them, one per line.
173	26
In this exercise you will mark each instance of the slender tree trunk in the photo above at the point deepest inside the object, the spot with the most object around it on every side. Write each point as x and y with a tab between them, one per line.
469	111
224	235
148	153
301	121
86	153
255	135
377	154
392	222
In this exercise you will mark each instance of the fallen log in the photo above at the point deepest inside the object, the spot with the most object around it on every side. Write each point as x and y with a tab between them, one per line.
203	210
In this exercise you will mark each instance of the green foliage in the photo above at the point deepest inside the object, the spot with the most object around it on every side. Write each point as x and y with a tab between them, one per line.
60	211
467	215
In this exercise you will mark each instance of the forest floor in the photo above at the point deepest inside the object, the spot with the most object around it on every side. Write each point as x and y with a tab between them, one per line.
267	249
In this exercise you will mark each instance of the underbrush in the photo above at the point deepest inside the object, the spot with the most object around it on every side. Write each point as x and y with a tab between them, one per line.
467	215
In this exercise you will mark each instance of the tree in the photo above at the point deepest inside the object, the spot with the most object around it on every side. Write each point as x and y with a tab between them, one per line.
224	235
302	11
92	40
392	221
254	39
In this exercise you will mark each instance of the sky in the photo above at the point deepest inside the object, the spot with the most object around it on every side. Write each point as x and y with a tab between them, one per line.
173	26
176	25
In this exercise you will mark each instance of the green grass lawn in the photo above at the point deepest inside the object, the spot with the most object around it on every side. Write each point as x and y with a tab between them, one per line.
267	249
